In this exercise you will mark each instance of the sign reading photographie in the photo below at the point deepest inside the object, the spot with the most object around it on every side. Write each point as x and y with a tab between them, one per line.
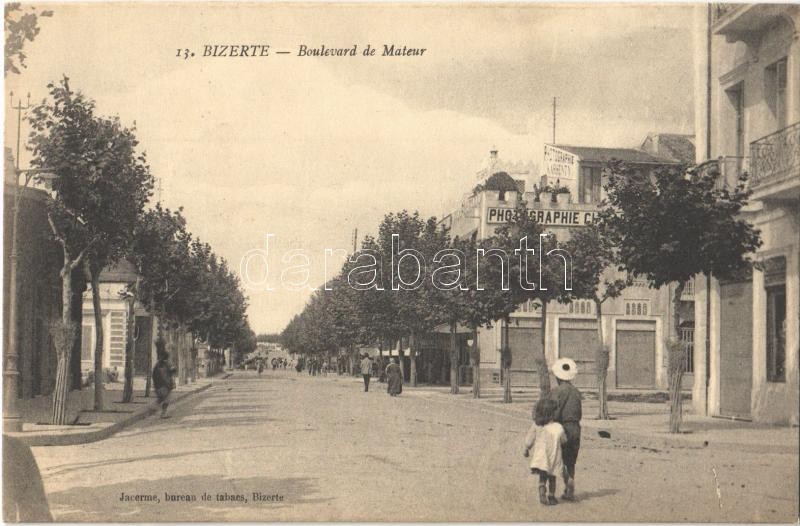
568	218
560	165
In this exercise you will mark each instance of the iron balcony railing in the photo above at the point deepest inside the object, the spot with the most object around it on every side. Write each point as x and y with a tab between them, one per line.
776	157
729	169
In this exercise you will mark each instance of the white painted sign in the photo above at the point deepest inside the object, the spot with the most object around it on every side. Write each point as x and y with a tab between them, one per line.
567	218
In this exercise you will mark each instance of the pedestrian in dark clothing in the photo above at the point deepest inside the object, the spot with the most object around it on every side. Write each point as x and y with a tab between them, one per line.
163	378
568	414
394	378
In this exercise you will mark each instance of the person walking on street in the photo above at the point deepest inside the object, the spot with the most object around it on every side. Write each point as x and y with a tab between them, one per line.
545	437
394	378
568	413
163	377
366	371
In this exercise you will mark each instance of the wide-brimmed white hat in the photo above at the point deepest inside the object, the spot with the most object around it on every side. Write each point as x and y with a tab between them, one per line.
565	369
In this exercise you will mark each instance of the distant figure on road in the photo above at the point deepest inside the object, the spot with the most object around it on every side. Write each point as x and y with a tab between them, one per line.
163	378
260	367
394	378
546	437
568	414
366	371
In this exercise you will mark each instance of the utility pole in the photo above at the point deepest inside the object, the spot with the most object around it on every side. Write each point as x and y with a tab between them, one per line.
554	120
11	419
355	240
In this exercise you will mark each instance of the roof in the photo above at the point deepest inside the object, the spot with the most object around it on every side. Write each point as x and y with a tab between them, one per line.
675	146
632	155
121	272
501	181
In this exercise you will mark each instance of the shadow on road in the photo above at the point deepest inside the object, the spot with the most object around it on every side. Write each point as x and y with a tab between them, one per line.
78	466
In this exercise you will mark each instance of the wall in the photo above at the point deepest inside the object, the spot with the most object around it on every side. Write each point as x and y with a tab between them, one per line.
38	290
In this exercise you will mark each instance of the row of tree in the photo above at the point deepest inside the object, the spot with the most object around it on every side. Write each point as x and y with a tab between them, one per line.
665	225
100	215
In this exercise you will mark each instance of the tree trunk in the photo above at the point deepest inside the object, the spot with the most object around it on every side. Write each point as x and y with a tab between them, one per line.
506	361
149	372
99	380
193	360
130	348
400	359
58	414
453	359
601	363
541	359
475	355
412	347
78	288
676	366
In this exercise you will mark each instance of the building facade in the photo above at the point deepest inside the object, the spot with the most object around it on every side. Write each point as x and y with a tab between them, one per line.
635	325
114	283
748	120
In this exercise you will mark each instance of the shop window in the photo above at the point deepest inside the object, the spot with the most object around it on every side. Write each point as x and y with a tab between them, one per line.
775	88
775	288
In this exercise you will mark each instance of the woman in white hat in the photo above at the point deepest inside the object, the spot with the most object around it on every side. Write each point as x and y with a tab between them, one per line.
568	414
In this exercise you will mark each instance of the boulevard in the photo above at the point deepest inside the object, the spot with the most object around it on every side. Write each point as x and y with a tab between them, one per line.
284	446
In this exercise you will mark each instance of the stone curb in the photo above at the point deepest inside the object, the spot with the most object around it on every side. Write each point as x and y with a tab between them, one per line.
100	433
657	438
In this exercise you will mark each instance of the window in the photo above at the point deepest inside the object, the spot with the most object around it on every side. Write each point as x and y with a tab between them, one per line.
775	84
775	288
637	307
86	342
736	98
589	185
580	307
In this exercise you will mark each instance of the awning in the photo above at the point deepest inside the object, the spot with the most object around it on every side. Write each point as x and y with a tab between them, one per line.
445	328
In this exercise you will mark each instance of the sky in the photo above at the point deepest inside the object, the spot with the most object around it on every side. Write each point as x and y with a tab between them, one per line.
309	149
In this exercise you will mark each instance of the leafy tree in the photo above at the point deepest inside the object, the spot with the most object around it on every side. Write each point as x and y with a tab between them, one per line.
671	224
466	303
21	24
159	252
594	277
100	185
408	311
548	273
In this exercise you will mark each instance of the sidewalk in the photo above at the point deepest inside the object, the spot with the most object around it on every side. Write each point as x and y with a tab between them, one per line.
641	423
90	426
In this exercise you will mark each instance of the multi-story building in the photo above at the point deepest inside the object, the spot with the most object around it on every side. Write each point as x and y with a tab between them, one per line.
635	325
748	119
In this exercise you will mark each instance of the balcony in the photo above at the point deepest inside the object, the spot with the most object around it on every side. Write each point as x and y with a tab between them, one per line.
744	21
775	165
729	168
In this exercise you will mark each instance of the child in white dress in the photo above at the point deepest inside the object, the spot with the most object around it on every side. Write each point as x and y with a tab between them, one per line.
546	438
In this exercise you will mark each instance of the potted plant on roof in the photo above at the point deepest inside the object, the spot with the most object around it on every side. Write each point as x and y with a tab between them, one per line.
543	193
560	194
